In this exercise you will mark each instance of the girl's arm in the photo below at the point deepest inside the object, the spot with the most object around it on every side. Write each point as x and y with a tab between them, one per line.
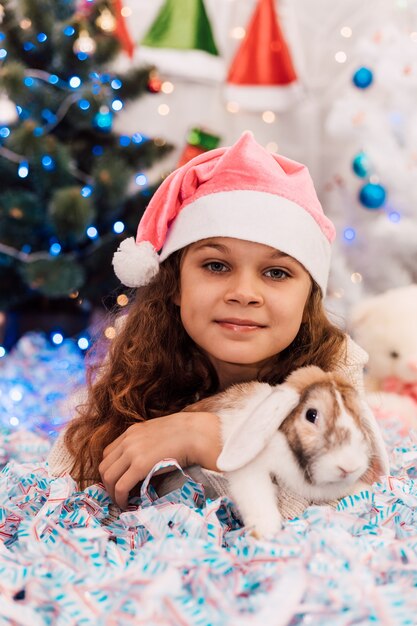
192	438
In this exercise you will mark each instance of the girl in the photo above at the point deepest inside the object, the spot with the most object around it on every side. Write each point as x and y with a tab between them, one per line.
235	294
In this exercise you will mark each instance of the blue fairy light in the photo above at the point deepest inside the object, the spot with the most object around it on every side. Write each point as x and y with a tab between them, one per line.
117	105
55	249
92	232
103	120
116	83
84	104
86	191
28	46
349	234
38	131
57	338
26	249
83	343
19	109
4	132
105	78
53	79
2	36
97	150
138	138
3	53
23	169
28	81
141	180
363	77
118	227
49	116
394	216
2	352
372	195
74	82
42	37
48	163
82	56
69	31
124	140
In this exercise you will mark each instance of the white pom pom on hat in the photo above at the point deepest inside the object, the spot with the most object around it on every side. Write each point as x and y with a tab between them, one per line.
242	191
135	264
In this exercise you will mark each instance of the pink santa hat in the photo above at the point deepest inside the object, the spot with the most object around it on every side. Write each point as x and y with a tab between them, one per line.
242	191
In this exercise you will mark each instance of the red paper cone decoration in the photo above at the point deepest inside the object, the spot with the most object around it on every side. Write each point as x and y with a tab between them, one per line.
122	31
262	76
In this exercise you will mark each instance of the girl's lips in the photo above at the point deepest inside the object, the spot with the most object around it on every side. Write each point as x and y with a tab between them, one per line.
239	325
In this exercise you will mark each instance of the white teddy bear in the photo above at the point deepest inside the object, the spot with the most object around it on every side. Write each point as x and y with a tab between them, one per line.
385	325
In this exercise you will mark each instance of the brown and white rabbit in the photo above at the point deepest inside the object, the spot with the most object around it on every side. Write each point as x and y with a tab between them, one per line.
313	433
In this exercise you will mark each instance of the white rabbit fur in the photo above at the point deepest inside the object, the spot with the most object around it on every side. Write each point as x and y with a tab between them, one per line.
267	435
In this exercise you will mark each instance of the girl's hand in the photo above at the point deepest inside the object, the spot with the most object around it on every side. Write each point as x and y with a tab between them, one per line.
190	438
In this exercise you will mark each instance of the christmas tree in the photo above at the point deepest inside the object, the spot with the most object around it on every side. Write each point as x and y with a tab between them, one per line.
65	177
371	194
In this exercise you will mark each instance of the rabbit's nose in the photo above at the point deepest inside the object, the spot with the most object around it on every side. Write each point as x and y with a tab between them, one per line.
345	472
412	364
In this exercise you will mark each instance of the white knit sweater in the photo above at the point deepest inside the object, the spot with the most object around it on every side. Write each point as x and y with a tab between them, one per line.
291	505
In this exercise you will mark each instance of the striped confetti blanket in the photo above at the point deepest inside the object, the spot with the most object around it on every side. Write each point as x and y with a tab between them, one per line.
184	560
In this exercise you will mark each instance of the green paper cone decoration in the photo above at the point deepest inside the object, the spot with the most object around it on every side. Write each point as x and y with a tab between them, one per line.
180	41
182	25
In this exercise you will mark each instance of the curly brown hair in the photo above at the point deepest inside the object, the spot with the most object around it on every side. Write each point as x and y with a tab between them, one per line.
153	368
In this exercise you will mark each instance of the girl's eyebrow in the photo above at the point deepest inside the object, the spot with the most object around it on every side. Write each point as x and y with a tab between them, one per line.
217	246
222	248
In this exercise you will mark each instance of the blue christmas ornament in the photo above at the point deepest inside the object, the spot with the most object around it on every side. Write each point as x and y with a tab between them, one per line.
103	121
360	165
372	196
363	77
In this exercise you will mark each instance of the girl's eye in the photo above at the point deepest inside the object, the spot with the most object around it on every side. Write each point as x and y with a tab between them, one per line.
311	415
276	273
216	266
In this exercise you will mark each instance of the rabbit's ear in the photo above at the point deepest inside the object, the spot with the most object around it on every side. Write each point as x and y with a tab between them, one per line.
379	465
253	432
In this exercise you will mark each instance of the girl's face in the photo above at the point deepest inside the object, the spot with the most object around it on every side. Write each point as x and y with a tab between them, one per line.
241	303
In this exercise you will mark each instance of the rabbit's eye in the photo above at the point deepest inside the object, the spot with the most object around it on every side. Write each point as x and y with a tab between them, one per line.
394	355
311	415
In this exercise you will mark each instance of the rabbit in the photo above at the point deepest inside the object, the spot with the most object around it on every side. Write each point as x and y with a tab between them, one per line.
313	433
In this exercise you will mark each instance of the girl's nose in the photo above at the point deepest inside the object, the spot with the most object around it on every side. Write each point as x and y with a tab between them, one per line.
244	290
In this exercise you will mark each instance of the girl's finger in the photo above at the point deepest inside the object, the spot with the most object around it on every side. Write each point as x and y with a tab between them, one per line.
112	474
124	485
114	444
111	458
